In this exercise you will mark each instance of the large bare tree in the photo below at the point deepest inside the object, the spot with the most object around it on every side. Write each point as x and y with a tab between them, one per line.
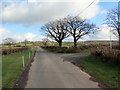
9	41
113	20
57	30
78	27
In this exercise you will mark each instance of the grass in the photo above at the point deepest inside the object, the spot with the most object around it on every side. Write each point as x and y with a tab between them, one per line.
12	67
104	72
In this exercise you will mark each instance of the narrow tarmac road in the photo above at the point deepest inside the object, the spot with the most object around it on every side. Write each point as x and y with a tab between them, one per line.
50	71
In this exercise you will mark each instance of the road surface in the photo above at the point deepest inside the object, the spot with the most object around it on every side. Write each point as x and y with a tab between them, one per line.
49	70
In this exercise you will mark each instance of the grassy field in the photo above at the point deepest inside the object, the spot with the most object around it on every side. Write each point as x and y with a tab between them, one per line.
12	67
105	72
64	44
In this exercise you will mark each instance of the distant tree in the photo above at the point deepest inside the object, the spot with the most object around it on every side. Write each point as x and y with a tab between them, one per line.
113	20
56	30
78	27
45	41
25	42
9	41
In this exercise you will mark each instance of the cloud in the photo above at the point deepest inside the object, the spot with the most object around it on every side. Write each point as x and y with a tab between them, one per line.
42	12
103	33
68	1
28	36
103	12
109	0
3	33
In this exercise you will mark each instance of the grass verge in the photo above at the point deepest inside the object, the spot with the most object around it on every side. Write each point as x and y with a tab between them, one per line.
104	72
12	67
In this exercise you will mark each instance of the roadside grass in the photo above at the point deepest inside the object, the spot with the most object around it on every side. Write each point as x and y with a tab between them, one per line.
12	67
106	73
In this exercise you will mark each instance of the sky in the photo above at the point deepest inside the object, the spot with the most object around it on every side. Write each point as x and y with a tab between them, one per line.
22	19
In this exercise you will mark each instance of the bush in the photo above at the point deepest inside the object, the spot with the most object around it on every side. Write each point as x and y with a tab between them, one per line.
115	46
61	49
67	50
71	50
17	46
7	51
110	55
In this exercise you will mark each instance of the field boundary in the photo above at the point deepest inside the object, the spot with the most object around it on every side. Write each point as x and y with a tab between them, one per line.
22	81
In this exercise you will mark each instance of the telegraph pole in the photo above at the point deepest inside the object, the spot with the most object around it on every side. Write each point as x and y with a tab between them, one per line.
119	21
119	13
110	39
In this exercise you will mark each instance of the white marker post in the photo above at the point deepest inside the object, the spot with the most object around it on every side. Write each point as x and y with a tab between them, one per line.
23	61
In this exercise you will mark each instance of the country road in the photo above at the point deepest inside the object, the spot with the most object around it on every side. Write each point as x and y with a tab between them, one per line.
49	70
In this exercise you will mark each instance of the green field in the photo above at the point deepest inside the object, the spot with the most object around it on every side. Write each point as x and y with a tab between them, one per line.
12	67
64	44
18	44
105	72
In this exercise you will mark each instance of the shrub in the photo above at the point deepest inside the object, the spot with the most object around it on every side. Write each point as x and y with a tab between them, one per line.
110	55
7	51
71	50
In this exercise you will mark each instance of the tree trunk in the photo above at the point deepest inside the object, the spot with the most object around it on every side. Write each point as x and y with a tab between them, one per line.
75	43
119	43
60	43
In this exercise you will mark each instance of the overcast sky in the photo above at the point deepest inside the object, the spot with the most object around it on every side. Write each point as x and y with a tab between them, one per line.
22	20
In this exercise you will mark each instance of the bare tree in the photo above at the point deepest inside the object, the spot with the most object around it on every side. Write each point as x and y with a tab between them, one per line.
45	41
57	30
113	20
25	42
9	41
78	27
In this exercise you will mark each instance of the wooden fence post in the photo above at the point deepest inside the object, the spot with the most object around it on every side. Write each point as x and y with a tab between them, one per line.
23	61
